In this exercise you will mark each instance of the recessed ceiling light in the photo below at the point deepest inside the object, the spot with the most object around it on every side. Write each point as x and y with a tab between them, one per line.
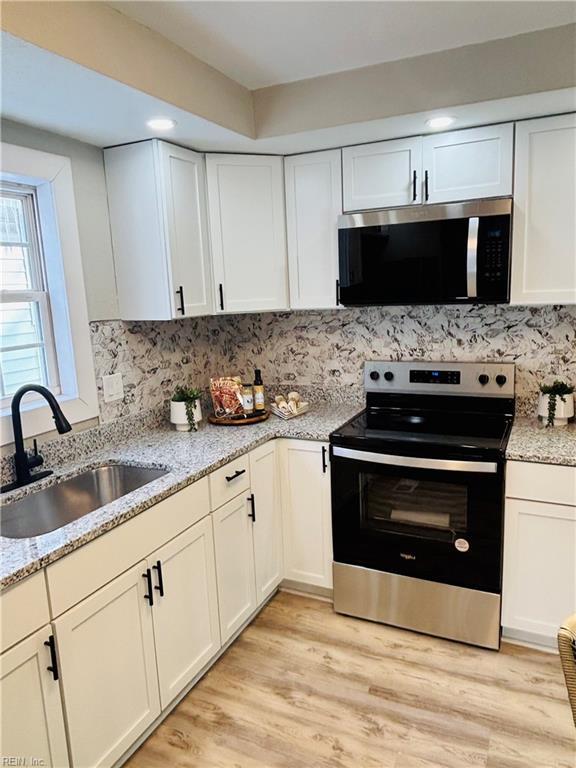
439	122
161	123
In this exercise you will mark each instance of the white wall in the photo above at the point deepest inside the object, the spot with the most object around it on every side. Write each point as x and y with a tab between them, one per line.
92	209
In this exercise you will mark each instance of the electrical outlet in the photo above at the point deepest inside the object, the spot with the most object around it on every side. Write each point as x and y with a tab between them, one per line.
112	387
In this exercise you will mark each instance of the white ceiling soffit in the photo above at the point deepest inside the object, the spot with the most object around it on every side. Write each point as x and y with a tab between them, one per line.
55	94
265	43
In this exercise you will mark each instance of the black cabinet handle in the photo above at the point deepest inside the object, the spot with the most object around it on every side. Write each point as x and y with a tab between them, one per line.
253	505
221	292
53	659
414	177
181	308
236	474
158	569
324	465
150	595
426	195
337	293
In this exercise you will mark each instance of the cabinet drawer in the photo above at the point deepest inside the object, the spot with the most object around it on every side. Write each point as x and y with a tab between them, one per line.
23	609
541	482
228	481
88	568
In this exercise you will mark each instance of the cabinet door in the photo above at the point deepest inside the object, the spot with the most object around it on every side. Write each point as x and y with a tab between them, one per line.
183	186
248	233
539	588
469	164
313	204
108	670
186	629
267	526
234	565
32	719
544	229
384	174
138	234
307	512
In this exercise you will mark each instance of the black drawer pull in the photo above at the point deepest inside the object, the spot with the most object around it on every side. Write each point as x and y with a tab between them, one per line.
414	194
53	659
253	505
150	594
221	292
158	569
324	465
236	474
426	195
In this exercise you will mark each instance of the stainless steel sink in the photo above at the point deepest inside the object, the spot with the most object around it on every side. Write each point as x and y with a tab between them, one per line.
60	504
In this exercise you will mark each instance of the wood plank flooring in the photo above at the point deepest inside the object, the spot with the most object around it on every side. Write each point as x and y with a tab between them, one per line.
304	687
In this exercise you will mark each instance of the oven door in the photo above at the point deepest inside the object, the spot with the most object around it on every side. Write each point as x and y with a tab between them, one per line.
429	518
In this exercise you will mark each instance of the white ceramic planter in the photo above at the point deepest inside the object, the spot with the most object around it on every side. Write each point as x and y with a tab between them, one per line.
564	410
179	418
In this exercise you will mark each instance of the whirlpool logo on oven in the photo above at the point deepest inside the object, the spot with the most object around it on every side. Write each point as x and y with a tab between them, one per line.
407	556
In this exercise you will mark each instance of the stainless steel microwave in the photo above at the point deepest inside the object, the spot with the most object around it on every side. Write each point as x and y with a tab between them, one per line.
433	254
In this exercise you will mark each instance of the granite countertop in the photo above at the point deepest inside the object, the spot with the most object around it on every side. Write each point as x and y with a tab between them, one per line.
531	440
187	457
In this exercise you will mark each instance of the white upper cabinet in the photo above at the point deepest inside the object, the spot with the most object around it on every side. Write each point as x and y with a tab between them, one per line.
157	201
544	230
382	175
313	204
468	164
248	232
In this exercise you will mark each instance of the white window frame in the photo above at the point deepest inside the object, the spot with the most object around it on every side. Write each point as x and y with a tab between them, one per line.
51	176
38	293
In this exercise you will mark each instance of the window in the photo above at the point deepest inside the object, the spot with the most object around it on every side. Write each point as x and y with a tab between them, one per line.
44	330
27	350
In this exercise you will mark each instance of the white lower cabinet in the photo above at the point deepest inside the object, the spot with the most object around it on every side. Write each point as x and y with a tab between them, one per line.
267	525
108	668
32	719
248	542
234	564
185	611
539	582
307	512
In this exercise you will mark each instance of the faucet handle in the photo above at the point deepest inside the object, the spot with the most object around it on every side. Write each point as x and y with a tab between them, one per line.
34	458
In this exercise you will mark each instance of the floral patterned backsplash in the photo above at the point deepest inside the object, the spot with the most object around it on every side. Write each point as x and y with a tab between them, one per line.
323	352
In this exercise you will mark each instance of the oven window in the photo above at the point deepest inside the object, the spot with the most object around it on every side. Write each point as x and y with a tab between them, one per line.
418	507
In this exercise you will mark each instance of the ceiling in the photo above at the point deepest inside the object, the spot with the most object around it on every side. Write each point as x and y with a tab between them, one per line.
266	43
48	91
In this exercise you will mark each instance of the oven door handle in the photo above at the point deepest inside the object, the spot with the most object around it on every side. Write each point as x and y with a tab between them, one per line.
446	465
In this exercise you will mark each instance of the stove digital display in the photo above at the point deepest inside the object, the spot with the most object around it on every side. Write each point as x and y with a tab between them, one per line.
434	377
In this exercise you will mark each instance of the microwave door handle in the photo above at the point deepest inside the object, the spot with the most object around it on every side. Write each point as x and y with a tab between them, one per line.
446	465
472	258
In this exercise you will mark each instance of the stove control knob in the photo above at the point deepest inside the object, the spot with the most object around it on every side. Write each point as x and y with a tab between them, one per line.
374	375
388	375
483	379
501	379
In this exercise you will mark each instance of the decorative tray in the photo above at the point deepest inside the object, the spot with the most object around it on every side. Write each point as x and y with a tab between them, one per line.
238	421
277	412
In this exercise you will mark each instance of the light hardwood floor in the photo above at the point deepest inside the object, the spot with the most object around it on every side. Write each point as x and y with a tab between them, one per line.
305	687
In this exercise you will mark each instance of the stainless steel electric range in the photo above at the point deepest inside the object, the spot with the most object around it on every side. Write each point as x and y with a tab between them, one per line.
418	498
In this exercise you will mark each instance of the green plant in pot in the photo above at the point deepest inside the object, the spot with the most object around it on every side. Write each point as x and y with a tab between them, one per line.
185	411
556	403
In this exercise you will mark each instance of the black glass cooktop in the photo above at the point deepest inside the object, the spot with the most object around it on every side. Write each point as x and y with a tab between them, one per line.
420	432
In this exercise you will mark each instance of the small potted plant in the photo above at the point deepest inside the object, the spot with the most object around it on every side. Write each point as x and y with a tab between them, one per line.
556	403
185	410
